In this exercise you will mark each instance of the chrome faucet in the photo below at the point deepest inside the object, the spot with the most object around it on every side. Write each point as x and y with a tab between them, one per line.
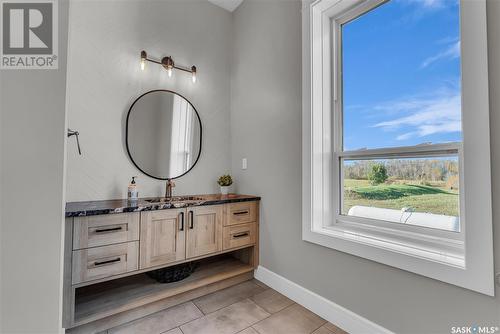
169	189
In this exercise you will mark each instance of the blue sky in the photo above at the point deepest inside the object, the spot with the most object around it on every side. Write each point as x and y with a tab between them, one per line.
401	75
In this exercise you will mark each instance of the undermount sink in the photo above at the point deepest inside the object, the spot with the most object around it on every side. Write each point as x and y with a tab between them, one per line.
173	199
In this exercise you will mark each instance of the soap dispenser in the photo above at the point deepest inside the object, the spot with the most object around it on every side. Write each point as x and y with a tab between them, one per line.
133	194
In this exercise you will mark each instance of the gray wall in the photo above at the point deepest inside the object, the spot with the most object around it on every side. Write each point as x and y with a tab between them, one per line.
266	127
104	78
32	147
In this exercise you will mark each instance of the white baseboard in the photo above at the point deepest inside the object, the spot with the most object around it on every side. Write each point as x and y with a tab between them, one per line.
328	310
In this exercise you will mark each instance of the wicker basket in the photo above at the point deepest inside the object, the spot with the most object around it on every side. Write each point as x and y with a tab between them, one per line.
173	274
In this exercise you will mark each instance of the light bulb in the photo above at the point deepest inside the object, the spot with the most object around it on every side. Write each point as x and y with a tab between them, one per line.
169	72
193	73
144	57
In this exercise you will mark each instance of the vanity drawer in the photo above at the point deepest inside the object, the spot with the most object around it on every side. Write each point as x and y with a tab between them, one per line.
238	235
105	230
99	262
243	212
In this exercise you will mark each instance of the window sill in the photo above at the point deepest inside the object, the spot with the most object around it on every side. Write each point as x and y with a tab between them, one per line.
425	261
391	247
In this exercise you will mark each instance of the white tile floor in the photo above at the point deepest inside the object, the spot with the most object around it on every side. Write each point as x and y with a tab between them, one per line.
247	308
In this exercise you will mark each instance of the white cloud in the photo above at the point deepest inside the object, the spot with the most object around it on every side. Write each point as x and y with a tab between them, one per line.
451	52
406	136
418	9
448	40
433	3
424	116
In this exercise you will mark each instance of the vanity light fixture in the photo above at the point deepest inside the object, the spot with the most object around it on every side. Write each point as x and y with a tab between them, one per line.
168	64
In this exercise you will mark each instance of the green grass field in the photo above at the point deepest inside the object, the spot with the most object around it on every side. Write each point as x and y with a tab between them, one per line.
433	198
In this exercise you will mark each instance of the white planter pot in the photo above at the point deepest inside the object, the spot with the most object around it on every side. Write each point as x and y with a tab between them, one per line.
224	190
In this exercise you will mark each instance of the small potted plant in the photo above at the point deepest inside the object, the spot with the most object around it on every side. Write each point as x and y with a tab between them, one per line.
224	182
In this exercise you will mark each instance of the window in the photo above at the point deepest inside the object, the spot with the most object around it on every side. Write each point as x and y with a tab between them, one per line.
406	96
396	161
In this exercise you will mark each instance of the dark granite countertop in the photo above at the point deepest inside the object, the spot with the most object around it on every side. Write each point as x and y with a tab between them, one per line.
92	208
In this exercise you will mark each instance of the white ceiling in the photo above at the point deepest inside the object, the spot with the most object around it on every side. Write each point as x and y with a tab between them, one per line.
229	5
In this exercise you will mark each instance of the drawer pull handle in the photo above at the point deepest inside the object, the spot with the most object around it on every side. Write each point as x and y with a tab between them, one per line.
240	235
241	212
112	229
182	221
101	263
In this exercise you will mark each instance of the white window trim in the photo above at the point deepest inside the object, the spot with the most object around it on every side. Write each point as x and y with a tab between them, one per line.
465	260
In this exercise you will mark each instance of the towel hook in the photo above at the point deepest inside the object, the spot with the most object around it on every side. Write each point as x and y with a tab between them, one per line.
76	134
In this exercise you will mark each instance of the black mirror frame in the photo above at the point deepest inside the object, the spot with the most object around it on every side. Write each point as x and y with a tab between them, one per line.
126	135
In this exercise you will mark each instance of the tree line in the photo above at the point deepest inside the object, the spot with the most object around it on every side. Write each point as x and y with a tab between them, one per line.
432	170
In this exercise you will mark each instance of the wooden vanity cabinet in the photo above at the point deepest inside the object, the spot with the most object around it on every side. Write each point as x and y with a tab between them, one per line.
204	233
175	235
107	258
163	237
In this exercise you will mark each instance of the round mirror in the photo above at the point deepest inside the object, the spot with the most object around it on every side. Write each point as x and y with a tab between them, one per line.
163	134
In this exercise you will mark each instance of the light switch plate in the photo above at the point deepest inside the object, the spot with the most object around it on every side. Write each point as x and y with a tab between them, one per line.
244	164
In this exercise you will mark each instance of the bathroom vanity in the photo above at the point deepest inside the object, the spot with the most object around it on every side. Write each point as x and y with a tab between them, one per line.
116	251
111	245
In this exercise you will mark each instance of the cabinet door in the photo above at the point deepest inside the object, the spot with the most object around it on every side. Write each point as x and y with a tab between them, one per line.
204	231
163	237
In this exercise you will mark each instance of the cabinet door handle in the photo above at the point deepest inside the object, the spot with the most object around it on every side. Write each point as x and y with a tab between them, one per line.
241	213
182	221
240	235
111	229
101	263
191	220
